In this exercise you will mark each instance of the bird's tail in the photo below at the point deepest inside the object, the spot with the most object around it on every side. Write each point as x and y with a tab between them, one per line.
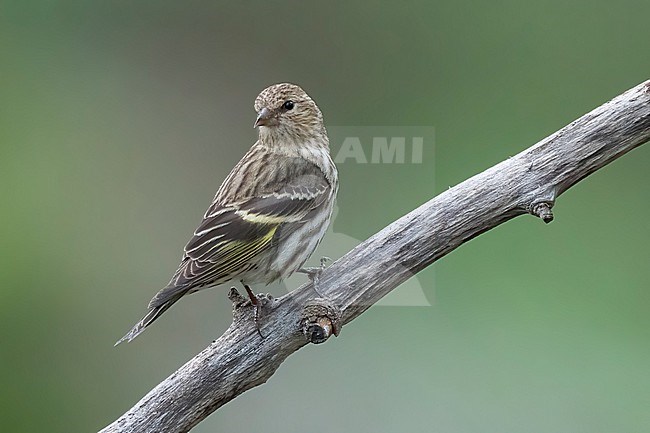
153	313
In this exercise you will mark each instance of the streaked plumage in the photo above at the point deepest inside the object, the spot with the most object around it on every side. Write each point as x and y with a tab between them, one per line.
271	211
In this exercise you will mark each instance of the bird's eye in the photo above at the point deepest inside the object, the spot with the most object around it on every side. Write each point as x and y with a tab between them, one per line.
288	105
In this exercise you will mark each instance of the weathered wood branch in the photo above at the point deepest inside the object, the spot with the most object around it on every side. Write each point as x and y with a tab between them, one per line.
526	183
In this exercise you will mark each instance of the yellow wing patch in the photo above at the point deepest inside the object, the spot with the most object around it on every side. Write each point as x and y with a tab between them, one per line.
234	254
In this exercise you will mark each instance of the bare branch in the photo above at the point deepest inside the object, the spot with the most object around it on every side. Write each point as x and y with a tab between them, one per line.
526	183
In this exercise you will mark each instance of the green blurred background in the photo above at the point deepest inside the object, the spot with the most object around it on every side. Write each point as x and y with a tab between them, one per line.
118	121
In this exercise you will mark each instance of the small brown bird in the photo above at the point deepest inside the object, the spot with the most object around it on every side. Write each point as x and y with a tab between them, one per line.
271	211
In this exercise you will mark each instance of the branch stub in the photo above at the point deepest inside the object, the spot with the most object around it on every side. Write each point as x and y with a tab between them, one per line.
319	320
236	298
543	210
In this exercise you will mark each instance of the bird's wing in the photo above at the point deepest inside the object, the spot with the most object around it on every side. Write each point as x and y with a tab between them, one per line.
290	204
231	234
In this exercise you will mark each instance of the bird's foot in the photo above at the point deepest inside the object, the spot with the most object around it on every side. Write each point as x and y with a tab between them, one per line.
240	304
258	301
315	272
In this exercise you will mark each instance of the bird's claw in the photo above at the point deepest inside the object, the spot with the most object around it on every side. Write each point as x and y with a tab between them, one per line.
315	272
258	301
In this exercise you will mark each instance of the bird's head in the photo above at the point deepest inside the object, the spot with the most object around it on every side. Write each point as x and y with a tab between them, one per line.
286	113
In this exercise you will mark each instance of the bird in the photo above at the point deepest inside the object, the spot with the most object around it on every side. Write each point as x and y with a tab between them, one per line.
271	211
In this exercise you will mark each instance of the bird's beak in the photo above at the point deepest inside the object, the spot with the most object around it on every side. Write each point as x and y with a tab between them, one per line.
264	118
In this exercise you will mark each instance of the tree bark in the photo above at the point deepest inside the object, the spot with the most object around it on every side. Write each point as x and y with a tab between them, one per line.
526	183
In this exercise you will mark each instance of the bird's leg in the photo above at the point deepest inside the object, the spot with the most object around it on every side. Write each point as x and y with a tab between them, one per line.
257	305
315	272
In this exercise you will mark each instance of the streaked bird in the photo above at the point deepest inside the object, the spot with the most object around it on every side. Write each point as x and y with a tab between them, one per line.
271	211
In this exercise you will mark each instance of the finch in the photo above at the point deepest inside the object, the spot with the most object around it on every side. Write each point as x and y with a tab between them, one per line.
271	211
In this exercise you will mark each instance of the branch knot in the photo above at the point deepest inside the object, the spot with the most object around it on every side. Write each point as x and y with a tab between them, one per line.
319	320
543	210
